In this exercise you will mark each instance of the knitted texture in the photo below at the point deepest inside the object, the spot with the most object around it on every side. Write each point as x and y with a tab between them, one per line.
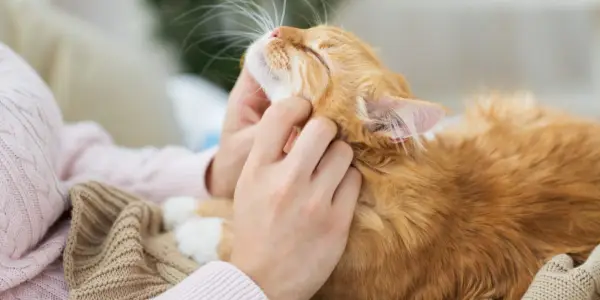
41	158
31	196
559	280
116	250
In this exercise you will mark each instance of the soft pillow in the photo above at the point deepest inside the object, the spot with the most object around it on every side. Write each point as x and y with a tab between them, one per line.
94	77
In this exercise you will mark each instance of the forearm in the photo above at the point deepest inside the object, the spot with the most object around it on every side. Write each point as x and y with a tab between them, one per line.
152	173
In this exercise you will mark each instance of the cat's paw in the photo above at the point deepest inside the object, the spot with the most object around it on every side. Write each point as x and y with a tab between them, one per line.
177	210
199	238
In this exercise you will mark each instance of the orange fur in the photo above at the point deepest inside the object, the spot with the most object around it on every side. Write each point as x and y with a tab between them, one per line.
473	213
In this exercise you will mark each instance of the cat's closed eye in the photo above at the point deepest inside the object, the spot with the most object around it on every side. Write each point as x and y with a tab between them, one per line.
314	53
325	45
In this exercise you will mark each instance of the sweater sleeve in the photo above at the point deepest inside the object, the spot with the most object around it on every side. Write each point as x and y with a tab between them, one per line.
152	173
215	281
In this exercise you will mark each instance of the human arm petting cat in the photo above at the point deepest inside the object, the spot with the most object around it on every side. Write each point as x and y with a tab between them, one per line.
41	157
157	174
311	191
292	212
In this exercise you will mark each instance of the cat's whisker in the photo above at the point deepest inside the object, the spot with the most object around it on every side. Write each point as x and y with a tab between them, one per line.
275	13
235	44
257	17
309	22
283	11
216	56
210	8
325	12
260	88
212	17
316	16
229	35
256	12
271	23
253	31
194	10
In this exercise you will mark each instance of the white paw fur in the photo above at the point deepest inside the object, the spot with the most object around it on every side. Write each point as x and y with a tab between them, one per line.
177	210
199	238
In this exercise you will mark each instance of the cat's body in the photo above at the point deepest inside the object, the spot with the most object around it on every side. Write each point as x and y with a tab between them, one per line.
472	213
478	213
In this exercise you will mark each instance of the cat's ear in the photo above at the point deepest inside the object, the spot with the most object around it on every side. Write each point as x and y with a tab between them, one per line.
399	118
402	83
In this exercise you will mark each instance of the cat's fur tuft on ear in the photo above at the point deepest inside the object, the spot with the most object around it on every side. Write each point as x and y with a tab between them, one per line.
399	118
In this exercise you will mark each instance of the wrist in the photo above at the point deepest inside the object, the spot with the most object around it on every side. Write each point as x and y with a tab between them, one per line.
262	276
258	280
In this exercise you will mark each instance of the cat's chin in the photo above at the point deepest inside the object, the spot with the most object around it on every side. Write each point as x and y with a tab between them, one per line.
255	62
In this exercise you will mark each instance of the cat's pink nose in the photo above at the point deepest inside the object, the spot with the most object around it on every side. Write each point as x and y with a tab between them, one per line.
275	33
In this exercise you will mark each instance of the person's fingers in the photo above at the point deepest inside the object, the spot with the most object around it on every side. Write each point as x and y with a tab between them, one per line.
310	146
333	166
245	139
346	196
275	128
246	100
246	90
291	140
248	116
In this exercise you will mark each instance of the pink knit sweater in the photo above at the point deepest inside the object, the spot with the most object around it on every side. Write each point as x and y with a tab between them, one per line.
40	158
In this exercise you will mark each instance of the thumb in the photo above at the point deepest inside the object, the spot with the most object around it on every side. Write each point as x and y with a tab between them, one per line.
245	140
246	101
248	116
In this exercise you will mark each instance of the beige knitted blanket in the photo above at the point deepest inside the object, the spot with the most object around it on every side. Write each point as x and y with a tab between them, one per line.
116	250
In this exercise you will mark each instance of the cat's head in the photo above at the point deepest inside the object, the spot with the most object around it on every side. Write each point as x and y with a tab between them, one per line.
345	81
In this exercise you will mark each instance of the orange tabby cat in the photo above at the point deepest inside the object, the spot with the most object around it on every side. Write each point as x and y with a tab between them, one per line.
471	213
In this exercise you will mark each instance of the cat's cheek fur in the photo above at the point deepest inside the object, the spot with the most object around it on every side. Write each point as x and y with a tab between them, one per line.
255	62
199	238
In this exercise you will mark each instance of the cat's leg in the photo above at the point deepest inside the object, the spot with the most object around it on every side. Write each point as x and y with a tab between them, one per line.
204	234
199	238
177	210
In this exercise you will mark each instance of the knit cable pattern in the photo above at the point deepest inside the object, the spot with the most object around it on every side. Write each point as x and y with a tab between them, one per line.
31	196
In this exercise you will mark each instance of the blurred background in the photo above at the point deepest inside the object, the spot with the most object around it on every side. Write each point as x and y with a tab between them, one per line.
448	50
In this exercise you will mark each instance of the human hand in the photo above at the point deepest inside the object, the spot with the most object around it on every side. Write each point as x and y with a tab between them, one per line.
247	103
292	213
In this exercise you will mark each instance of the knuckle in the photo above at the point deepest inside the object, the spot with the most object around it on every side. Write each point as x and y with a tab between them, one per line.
316	203
284	190
280	112
354	175
294	171
333	225
311	208
343	149
323	128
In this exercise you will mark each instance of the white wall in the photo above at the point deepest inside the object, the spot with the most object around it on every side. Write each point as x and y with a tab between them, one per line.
449	50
